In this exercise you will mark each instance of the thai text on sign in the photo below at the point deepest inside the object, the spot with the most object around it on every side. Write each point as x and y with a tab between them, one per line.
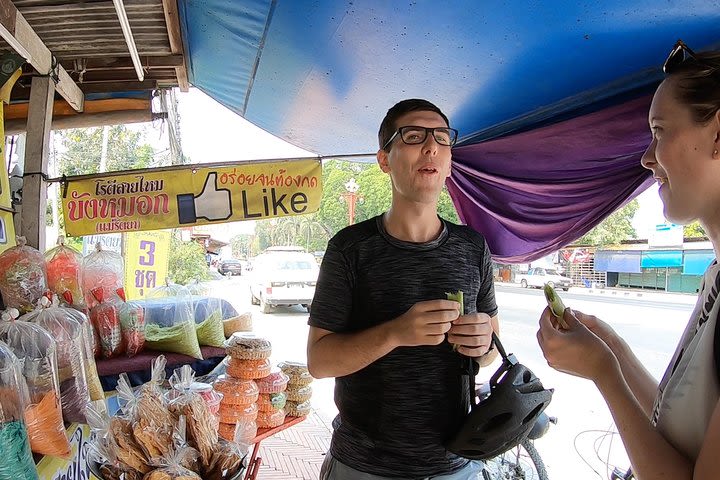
190	195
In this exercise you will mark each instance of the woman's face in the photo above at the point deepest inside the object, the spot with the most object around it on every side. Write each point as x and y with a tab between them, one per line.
683	158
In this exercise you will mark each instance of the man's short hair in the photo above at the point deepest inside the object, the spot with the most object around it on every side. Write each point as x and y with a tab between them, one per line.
388	126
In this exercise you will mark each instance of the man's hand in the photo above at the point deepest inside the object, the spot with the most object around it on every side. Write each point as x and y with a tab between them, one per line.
472	333
426	323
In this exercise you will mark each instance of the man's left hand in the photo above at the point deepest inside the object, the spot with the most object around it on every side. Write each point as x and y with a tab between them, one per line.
472	334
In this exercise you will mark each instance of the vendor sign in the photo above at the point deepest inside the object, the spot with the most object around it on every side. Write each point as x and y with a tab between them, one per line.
7	227
190	195
75	468
146	262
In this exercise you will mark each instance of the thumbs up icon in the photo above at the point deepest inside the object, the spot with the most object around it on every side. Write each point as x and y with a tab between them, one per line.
212	203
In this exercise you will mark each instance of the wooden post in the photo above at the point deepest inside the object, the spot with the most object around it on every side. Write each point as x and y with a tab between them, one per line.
36	161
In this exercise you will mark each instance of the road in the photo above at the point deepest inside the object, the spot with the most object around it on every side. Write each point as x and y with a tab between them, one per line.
579	446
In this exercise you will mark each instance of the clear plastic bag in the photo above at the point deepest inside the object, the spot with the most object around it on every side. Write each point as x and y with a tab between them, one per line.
89	344
71	355
63	272
209	321
23	278
170	321
36	350
202	425
132	325
101	269
106	321
16	460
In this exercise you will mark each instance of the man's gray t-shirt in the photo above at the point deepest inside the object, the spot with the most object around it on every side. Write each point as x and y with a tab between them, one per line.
397	413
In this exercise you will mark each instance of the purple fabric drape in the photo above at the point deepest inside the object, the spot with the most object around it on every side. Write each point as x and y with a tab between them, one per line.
534	192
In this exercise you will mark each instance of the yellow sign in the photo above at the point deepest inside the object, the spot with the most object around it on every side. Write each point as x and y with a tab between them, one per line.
7	227
191	195
146	262
76	468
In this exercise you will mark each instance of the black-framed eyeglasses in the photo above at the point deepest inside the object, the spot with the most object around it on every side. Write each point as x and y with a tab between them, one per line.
679	54
413	135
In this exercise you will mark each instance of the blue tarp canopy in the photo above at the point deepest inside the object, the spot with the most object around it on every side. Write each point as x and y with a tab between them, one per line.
322	74
695	263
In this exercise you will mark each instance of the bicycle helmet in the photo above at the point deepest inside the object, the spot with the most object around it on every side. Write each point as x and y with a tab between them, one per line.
504	418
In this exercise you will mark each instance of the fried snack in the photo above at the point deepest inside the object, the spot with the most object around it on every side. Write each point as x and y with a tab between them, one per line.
226	457
202	427
299	394
154	426
557	307
248	369
176	473
298	373
248	346
128	451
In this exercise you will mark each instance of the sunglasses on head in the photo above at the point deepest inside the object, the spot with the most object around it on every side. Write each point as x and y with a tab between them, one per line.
680	54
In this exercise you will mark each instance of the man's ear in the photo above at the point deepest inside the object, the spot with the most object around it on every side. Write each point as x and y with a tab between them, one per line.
382	160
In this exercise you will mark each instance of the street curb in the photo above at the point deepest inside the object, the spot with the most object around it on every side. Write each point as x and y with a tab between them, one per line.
686	299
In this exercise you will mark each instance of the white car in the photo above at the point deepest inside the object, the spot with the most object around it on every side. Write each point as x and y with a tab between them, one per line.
537	277
283	277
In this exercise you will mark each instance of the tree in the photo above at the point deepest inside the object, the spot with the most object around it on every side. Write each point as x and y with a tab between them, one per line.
240	245
83	147
614	229
186	262
694	230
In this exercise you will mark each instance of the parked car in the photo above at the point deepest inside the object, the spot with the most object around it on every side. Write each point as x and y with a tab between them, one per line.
230	267
283	277
538	276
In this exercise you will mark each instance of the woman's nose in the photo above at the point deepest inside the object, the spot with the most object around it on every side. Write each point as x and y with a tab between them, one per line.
648	159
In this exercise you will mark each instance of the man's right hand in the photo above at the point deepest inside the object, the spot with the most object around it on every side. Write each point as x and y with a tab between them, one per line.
426	323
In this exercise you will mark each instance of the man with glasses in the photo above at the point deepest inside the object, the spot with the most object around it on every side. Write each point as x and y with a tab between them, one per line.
381	323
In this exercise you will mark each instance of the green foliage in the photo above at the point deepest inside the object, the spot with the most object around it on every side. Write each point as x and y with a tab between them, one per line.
694	230
187	262
241	245
126	150
614	229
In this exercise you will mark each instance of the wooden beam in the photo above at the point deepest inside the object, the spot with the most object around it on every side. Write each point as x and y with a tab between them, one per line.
86	120
18	33
106	87
36	162
125	63
172	19
18	111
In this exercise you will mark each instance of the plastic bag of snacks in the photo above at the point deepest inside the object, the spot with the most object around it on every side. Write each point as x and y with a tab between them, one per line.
226	461
36	350
202	424
132	325
22	276
208	321
105	318
238	323
105	457
70	341
101	269
170	321
236	391
16	460
150	422
63	271
88	333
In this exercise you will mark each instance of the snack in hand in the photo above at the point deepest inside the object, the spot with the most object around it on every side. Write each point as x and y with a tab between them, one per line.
557	307
457	297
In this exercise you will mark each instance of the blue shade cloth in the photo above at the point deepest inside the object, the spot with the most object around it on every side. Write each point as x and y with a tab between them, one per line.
545	152
695	263
618	261
662	259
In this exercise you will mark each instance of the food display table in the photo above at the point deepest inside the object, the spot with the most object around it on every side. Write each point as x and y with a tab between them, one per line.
254	461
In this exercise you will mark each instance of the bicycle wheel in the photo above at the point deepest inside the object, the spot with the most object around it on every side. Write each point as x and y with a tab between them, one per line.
520	463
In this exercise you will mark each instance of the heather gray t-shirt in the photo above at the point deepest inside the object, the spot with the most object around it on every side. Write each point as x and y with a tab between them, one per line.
396	414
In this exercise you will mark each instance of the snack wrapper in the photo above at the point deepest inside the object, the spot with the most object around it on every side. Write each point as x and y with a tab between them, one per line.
23	278
36	351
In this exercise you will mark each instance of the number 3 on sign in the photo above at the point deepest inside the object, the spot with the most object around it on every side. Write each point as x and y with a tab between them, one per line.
147	258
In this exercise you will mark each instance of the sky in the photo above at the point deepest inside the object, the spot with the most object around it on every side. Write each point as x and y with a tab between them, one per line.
212	133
